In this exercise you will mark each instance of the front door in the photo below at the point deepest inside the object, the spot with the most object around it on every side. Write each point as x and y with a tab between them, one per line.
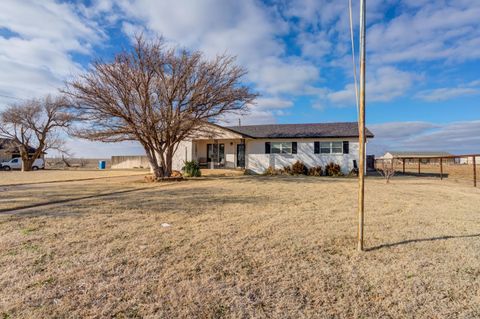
240	155
216	153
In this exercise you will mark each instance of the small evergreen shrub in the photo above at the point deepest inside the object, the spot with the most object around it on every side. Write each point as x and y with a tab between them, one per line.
191	169
298	168
333	169
315	171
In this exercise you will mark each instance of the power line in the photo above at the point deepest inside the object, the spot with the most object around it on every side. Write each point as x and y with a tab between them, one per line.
353	55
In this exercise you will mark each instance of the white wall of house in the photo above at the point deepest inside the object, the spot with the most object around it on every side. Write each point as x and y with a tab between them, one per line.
184	153
258	161
230	154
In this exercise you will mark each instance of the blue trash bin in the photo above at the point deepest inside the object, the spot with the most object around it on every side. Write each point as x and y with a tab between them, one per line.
102	164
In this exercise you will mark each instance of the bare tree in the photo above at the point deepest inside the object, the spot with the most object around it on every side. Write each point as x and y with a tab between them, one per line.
34	126
157	96
387	169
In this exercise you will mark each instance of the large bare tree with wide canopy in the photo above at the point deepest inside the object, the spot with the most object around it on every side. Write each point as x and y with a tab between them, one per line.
157	96
34	126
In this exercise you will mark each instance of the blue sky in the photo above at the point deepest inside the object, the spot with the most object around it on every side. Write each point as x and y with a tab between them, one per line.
423	59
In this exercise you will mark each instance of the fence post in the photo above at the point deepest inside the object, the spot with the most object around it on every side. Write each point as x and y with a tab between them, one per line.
474	172
419	166
403	166
441	168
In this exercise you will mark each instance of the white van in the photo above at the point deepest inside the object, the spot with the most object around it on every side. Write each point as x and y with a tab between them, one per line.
16	163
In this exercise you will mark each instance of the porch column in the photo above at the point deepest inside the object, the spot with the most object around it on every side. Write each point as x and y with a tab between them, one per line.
244	153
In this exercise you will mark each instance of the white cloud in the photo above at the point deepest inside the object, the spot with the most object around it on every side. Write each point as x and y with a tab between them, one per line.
457	137
385	84
443	94
474	83
315	45
36	56
288	76
257	117
325	13
48	19
269	103
246	29
264	111
388	83
432	31
400	130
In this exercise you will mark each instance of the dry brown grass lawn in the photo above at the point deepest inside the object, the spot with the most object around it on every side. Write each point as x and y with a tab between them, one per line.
278	247
462	173
42	176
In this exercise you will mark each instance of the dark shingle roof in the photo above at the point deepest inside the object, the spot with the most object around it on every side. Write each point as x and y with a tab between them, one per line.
8	145
311	130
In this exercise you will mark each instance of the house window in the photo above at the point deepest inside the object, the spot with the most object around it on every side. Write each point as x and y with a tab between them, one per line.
337	147
331	147
281	147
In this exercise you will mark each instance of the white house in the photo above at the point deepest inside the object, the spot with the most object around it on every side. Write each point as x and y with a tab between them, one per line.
256	147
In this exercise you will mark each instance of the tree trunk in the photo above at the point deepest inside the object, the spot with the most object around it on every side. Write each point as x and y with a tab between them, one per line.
27	164
154	167
160	163
167	172
158	172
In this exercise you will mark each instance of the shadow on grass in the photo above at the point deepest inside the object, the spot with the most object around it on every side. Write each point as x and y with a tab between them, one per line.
155	198
68	200
410	241
262	179
295	179
69	180
408	174
436	175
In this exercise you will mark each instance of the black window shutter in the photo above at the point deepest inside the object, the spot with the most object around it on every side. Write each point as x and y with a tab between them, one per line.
346	147
267	147
316	147
294	147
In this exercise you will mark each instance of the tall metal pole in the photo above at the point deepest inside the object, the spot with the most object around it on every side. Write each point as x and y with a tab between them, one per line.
361	128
